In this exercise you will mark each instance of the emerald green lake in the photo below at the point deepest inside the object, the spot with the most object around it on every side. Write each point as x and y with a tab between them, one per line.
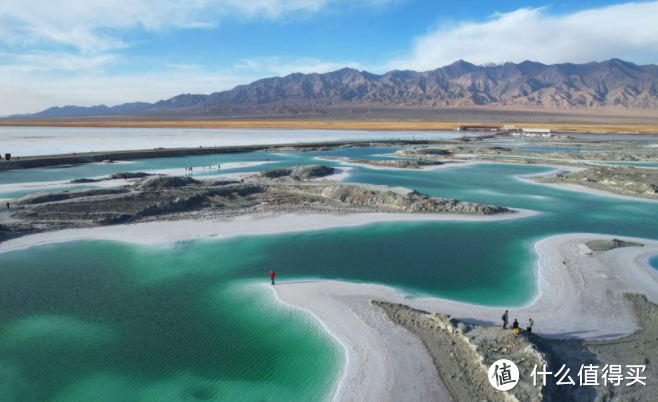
195	320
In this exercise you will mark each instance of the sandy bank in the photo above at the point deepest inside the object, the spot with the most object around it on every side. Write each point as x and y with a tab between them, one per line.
171	231
576	187
580	295
383	361
622	180
447	165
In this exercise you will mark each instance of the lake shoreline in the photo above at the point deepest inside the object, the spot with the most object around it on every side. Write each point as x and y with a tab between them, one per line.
567	280
563	308
245	225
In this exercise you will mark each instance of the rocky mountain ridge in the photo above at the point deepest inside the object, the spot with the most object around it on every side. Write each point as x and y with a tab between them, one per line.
528	84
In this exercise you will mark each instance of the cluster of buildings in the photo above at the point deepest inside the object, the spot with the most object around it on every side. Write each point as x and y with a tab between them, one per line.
513	131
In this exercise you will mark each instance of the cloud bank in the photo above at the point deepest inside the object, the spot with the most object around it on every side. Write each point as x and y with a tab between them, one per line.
627	31
94	26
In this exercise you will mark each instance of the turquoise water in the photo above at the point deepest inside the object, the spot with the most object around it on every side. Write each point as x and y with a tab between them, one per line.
653	261
70	172
103	321
18	194
190	320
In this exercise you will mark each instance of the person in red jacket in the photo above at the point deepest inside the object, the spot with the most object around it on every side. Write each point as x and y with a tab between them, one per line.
272	276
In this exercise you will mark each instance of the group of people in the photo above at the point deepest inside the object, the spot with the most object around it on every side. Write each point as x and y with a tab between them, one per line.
515	324
190	169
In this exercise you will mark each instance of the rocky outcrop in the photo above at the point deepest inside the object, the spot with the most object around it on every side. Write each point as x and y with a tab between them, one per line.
277	191
613	156
127	175
423	153
605	245
463	353
298	172
391	163
389	200
42	198
623	180
159	182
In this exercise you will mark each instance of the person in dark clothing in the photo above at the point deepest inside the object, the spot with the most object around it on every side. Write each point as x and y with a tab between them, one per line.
515	327
530	325
505	320
7	205
272	276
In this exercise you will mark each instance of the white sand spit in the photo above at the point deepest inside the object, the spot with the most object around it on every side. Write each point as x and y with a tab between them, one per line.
579	296
170	231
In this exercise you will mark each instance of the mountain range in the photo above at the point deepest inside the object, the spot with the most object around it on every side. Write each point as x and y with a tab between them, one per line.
461	84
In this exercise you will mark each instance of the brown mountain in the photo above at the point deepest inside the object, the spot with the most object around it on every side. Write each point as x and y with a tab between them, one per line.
559	86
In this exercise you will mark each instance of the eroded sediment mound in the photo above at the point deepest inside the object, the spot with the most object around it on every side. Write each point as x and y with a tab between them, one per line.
298	172
392	163
40	198
411	202
277	191
605	245
622	180
423	153
158	182
463	353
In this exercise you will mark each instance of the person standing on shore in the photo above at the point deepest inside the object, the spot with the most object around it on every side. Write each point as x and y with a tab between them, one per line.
272	276
505	320
530	324
7	204
515	327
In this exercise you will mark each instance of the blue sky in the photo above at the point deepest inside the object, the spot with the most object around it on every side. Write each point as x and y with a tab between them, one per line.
114	51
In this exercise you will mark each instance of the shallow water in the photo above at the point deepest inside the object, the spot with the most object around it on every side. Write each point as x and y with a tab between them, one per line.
653	261
70	172
185	320
32	141
18	194
105	321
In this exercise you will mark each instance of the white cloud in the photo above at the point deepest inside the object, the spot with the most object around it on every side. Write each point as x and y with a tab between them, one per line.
91	25
627	31
50	61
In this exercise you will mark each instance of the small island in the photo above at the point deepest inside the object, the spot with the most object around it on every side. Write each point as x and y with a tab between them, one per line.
277	191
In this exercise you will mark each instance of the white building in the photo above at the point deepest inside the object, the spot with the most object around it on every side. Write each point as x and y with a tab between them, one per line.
536	132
